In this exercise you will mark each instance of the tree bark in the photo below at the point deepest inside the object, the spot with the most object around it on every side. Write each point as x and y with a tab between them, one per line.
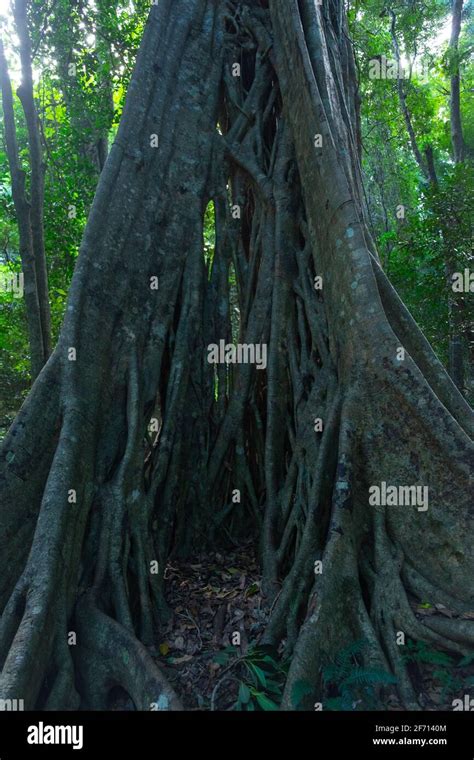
152	200
23	213
457	138
457	340
37	169
367	323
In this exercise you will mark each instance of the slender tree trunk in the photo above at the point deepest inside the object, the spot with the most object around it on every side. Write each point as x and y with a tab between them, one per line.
105	87
456	347
91	500
457	340
91	126
37	168
457	138
429	155
403	102
23	213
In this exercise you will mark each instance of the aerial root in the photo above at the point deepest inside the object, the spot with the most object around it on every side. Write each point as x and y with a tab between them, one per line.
110	656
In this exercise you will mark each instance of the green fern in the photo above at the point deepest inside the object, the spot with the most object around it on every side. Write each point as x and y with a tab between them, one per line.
355	683
369	676
420	652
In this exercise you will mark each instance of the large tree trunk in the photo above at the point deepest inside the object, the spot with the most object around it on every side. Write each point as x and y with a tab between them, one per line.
397	419
90	499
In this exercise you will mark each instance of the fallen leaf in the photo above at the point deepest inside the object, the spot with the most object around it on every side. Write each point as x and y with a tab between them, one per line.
253	589
178	660
444	610
178	642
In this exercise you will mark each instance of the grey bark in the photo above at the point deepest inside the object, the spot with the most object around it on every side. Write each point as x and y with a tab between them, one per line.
152	200
37	170
23	213
457	138
457	340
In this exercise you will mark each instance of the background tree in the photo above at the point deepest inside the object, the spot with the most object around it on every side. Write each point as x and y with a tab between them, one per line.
412	114
23	212
75	123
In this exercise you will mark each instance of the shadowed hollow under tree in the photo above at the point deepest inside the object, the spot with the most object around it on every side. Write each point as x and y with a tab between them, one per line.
92	494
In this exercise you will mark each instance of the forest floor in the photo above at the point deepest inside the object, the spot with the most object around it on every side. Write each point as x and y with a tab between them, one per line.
210	652
217	618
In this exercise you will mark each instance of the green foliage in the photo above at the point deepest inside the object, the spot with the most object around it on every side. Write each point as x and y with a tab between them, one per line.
261	677
443	668
14	352
436	230
421	652
349	684
209	235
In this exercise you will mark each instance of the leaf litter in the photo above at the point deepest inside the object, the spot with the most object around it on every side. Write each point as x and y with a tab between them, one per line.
212	597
